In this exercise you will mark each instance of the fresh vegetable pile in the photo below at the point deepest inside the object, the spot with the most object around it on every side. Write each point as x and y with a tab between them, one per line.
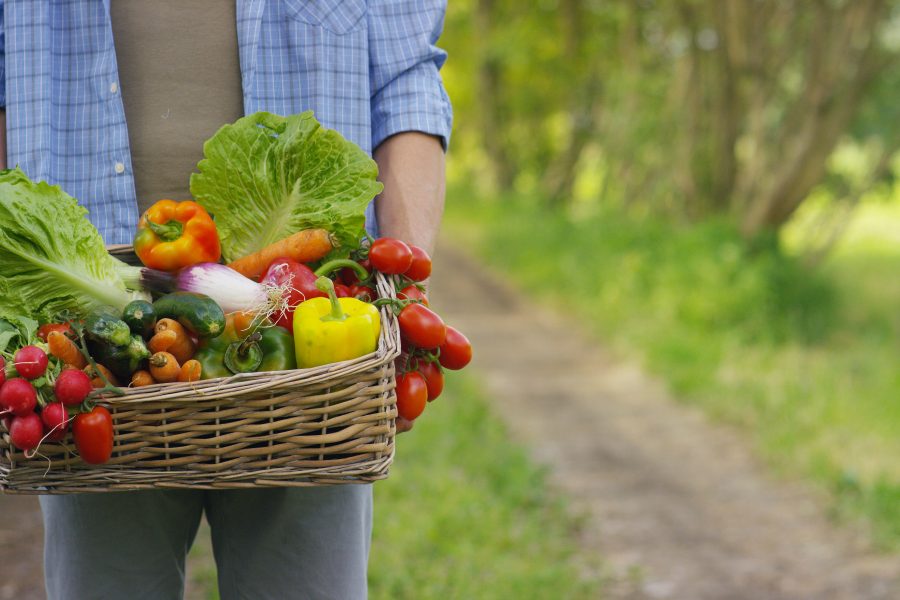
268	270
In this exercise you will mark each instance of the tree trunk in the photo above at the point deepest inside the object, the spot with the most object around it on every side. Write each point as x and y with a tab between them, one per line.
561	176
489	85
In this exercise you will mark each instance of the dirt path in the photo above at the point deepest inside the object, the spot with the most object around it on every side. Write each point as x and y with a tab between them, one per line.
678	507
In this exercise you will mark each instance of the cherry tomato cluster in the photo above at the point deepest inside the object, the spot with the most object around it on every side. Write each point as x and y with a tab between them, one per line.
429	345
36	400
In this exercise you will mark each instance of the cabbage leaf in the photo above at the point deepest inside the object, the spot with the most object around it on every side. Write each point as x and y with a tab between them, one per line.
265	177
52	259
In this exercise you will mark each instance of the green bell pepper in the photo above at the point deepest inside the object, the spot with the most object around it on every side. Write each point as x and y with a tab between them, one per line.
269	348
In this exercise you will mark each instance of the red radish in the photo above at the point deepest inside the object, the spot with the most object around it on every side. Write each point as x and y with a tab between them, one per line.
56	421
72	387
26	432
2	370
31	362
18	397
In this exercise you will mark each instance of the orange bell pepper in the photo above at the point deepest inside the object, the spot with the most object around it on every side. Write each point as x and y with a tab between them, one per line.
172	235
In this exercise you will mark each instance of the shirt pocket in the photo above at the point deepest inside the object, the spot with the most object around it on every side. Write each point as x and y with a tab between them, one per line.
336	16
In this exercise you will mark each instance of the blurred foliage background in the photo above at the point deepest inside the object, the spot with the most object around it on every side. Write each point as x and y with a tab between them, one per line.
688	108
712	185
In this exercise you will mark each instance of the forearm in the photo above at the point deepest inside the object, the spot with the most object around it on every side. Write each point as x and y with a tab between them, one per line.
411	167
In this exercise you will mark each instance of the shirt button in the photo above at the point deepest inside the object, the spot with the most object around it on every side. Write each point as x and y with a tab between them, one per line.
113	87
120	168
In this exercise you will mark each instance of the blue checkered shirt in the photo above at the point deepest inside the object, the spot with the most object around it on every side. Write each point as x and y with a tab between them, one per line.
367	69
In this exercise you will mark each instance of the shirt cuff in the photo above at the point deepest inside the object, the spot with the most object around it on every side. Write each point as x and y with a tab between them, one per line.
414	101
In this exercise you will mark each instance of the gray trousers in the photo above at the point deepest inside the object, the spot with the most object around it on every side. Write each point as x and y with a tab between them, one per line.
278	543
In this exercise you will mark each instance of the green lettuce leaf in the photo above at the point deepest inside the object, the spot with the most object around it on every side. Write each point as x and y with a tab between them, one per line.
52	259
265	177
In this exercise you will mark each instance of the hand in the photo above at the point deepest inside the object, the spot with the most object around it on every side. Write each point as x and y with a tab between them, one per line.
403	425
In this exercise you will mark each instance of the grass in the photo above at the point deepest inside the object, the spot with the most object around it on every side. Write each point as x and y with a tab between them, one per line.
807	361
464	514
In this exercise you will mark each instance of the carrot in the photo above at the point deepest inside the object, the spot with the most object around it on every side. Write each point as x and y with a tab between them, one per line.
164	367
304	246
162	341
182	346
96	380
190	371
65	350
141	378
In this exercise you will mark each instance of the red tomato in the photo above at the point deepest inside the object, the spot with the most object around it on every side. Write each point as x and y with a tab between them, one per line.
412	292
421	326
94	435
456	351
412	394
434	378
420	268
390	256
363	292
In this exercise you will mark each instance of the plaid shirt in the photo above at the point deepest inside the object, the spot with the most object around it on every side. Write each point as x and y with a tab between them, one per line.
367	69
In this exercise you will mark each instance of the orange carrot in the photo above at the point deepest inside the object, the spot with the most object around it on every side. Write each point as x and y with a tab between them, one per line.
182	346
96	380
164	367
65	350
141	378
190	371
162	341
304	246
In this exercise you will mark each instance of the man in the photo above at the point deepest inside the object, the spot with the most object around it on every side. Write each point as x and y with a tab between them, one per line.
75	73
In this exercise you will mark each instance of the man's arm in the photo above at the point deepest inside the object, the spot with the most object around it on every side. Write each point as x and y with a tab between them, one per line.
411	167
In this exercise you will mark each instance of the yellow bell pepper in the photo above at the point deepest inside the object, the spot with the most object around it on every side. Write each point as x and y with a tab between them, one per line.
333	329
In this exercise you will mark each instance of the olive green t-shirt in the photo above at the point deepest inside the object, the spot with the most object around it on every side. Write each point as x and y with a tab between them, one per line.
180	81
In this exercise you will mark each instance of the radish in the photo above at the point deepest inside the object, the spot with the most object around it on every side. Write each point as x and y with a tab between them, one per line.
26	432
72	387
18	397
56	421
31	362
2	370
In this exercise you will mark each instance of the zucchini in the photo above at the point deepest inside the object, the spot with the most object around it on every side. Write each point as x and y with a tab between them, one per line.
140	317
198	313
104	325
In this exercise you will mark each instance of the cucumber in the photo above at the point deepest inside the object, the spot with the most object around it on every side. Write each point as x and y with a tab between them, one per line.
140	317
198	313
104	325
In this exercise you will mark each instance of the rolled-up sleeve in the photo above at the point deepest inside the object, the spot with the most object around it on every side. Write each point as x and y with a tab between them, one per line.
2	58
407	93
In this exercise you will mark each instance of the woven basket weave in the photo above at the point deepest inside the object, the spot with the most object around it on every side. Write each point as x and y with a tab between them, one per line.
327	425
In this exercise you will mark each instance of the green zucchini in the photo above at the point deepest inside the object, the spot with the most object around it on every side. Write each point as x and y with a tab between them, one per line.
198	313
140	317
104	325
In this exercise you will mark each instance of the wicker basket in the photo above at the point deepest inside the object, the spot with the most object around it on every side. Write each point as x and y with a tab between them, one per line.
327	425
